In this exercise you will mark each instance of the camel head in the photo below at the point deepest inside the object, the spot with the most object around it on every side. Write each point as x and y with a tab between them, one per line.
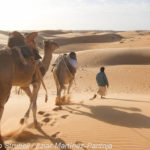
15	39
50	46
30	40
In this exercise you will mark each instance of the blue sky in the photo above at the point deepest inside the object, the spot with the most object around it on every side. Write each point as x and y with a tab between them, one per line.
75	14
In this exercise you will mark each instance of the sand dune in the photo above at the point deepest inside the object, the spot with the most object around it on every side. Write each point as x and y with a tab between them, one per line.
119	122
90	39
118	56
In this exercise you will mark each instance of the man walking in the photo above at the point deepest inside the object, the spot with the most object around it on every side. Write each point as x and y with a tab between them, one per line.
102	83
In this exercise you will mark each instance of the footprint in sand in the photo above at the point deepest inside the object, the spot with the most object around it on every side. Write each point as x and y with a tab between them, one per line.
81	102
57	109
55	134
31	125
78	107
64	116
47	115
46	120
41	112
53	123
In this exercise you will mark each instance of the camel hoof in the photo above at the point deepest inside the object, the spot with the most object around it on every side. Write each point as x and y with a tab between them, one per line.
60	108
67	99
57	101
63	99
58	104
22	121
37	125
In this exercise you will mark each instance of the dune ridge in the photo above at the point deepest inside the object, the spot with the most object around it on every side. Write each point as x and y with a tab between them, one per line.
119	122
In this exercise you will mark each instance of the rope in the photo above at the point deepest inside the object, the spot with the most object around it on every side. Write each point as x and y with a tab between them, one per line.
41	78
69	71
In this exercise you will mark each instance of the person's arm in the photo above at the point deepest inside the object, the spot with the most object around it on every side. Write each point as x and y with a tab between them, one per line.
97	79
106	80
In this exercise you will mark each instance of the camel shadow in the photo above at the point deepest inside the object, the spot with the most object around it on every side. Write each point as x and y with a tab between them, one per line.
54	139
28	136
114	115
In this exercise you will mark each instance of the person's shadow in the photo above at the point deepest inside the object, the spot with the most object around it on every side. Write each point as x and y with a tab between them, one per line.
127	100
114	115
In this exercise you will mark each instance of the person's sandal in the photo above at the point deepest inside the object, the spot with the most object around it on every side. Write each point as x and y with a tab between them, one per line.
102	97
93	97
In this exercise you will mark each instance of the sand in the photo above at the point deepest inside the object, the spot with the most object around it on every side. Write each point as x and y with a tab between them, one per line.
119	122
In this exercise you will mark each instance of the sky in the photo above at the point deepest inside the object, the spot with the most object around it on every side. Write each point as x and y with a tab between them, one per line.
75	14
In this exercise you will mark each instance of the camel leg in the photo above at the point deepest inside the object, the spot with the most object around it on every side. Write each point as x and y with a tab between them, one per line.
67	99
29	94
62	99
59	89
64	92
1	141
3	99
36	87
59	94
70	84
58	102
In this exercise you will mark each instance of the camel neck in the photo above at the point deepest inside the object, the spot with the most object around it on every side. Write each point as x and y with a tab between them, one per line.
46	60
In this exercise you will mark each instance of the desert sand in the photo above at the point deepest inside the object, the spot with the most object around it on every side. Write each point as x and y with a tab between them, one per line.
119	122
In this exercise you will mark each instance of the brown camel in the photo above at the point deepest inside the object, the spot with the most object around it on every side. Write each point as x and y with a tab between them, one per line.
49	48
15	73
64	73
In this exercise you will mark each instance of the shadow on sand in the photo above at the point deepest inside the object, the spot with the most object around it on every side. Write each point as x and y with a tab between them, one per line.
130	117
128	100
30	137
114	115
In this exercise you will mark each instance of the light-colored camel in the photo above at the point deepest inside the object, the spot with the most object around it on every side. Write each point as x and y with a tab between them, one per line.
15	73
64	74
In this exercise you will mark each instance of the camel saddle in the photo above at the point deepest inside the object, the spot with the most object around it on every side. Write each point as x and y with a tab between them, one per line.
26	52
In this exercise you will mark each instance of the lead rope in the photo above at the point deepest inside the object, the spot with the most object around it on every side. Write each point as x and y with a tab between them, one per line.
41	78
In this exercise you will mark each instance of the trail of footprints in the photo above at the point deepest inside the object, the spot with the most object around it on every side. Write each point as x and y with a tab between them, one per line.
48	120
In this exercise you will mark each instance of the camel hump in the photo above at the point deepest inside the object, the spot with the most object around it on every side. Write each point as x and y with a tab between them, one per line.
15	39
60	59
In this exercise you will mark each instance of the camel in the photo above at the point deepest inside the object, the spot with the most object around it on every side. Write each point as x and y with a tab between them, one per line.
64	73
49	48
15	73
